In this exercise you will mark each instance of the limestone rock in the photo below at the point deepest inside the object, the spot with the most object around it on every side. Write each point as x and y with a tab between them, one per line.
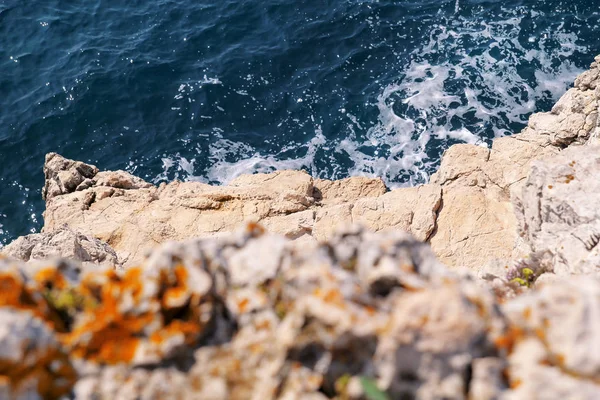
119	179
63	175
554	347
347	190
413	210
557	209
132	216
62	242
252	315
32	363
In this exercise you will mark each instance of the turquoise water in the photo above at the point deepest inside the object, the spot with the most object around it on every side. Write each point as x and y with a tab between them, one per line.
205	90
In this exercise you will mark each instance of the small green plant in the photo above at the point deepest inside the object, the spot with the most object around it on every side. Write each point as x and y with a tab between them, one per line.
526	278
372	392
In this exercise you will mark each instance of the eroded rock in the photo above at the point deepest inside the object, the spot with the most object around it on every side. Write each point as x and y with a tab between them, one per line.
64	176
63	242
557	210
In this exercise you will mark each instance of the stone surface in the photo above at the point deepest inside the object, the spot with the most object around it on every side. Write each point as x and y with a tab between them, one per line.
347	190
62	242
133	216
32	363
555	351
251	315
558	212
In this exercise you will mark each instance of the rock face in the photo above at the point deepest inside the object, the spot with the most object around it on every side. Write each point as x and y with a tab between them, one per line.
558	210
248	316
465	212
62	242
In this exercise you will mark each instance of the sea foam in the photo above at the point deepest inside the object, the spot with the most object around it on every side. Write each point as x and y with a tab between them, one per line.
469	82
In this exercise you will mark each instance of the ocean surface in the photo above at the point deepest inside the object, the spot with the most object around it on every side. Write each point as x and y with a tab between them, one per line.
207	90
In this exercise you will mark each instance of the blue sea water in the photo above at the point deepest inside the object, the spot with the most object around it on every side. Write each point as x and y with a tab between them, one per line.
206	90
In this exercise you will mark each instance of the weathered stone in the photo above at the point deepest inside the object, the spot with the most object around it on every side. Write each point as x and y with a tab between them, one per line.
413	210
557	209
119	179
347	190
63	175
554	344
32	363
252	315
62	242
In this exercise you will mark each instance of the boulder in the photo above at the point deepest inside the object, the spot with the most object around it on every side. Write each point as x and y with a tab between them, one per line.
62	242
64	176
250	316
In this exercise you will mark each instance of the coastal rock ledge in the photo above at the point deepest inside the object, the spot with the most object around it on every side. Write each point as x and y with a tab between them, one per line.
482	284
466	212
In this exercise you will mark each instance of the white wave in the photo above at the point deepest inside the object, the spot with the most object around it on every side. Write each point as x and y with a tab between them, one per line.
493	91
250	161
469	82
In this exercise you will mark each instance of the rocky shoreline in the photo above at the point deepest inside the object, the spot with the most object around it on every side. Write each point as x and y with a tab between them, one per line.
482	284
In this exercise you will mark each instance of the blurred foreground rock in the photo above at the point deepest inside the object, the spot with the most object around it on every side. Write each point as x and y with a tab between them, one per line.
248	316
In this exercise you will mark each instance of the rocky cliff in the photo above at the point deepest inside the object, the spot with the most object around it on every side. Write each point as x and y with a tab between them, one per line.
465	212
308	310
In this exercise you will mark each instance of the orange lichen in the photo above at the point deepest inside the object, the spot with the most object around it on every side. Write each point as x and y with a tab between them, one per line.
370	310
569	178
334	296
14	293
118	350
11	292
255	229
176	290
111	331
540	333
256	348
243	305
514	384
407	268
512	336
50	278
52	372
189	329
263	325
108	335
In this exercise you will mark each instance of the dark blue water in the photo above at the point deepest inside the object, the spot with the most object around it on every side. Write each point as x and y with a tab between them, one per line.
206	90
